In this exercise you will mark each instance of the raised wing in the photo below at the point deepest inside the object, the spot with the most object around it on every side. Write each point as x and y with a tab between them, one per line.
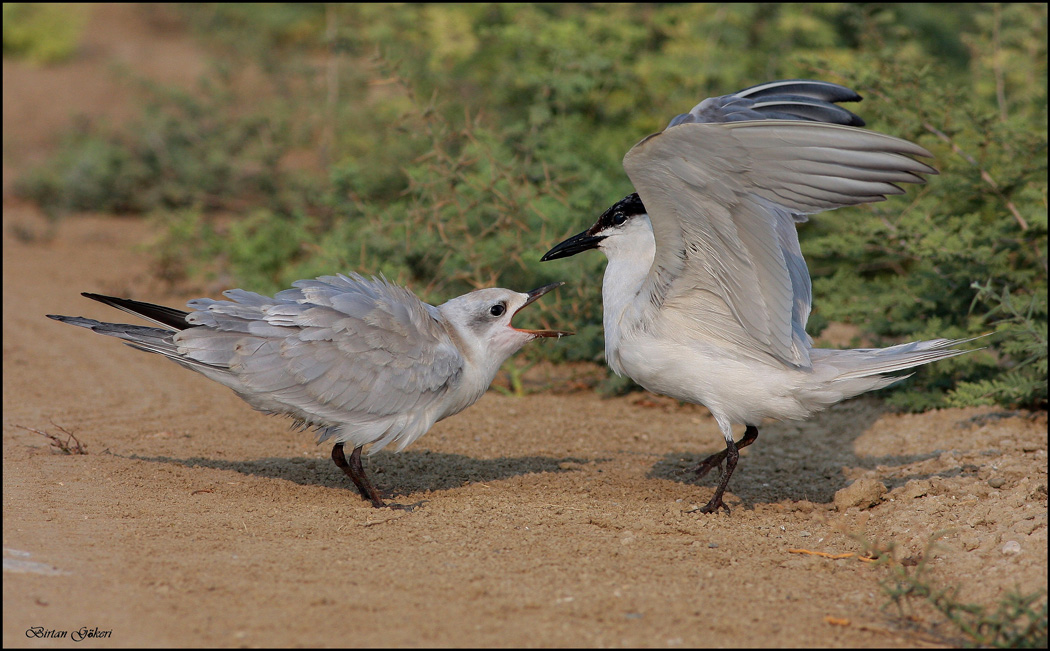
336	350
788	99
723	195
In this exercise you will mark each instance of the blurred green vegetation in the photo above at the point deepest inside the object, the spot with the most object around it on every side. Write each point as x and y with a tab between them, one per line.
448	146
43	32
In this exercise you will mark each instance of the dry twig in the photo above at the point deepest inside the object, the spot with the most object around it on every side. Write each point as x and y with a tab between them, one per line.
834	557
58	444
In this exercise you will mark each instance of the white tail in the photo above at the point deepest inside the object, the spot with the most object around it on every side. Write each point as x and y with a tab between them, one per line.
866	362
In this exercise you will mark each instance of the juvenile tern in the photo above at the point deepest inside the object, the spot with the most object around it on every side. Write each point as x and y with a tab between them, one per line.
362	360
706	293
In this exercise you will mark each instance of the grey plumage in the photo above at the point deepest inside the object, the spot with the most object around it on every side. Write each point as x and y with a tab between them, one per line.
791	99
363	360
731	229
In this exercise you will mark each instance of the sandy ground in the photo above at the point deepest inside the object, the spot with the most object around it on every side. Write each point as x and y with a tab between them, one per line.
555	519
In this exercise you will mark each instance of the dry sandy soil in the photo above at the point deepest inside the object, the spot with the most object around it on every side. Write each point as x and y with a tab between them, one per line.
556	519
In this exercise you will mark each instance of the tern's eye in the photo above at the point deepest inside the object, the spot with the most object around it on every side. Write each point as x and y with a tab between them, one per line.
498	309
618	219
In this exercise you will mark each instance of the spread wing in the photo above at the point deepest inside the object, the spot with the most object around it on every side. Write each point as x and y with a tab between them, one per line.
724	185
335	350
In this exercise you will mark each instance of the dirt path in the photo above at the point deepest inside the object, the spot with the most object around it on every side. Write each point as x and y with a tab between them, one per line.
558	519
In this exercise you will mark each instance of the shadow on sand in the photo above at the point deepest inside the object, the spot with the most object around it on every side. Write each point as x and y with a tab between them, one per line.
799	461
397	474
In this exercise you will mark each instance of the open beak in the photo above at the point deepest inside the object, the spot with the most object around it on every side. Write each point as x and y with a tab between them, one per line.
576	244
533	295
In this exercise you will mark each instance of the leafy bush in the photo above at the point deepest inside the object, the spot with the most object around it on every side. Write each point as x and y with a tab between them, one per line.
43	33
455	143
916	271
186	150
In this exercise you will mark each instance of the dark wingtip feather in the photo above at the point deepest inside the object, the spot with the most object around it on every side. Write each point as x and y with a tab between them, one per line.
822	90
159	314
794	107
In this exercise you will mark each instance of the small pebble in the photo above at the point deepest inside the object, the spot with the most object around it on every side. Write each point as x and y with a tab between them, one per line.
712	545
996	482
1012	547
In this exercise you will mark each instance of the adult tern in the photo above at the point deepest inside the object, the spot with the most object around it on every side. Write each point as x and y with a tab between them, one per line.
706	293
363	360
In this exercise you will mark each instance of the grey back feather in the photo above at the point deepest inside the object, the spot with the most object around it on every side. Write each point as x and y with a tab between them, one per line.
362	359
335	350
723	194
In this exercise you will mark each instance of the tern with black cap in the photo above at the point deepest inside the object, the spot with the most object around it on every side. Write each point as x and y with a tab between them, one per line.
706	293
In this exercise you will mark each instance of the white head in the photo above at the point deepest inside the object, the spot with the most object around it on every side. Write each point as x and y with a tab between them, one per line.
481	323
622	232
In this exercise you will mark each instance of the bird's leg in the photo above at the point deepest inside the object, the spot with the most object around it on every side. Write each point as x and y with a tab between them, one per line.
716	459
356	472
731	456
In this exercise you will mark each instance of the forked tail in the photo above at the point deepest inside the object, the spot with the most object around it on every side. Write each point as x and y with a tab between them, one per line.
149	339
864	362
855	371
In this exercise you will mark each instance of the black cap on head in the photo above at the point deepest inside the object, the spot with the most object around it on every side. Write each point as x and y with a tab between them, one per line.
620	212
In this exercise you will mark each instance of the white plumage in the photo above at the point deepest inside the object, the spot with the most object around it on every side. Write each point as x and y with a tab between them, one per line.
706	294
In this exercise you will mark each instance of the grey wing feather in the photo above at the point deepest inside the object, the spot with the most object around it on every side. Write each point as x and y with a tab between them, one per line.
790	99
723	199
815	88
336	350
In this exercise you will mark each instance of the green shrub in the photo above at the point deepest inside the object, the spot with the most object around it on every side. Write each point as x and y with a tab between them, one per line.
459	142
186	150
43	33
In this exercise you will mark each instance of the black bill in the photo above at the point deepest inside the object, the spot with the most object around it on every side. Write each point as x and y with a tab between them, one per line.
575	244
